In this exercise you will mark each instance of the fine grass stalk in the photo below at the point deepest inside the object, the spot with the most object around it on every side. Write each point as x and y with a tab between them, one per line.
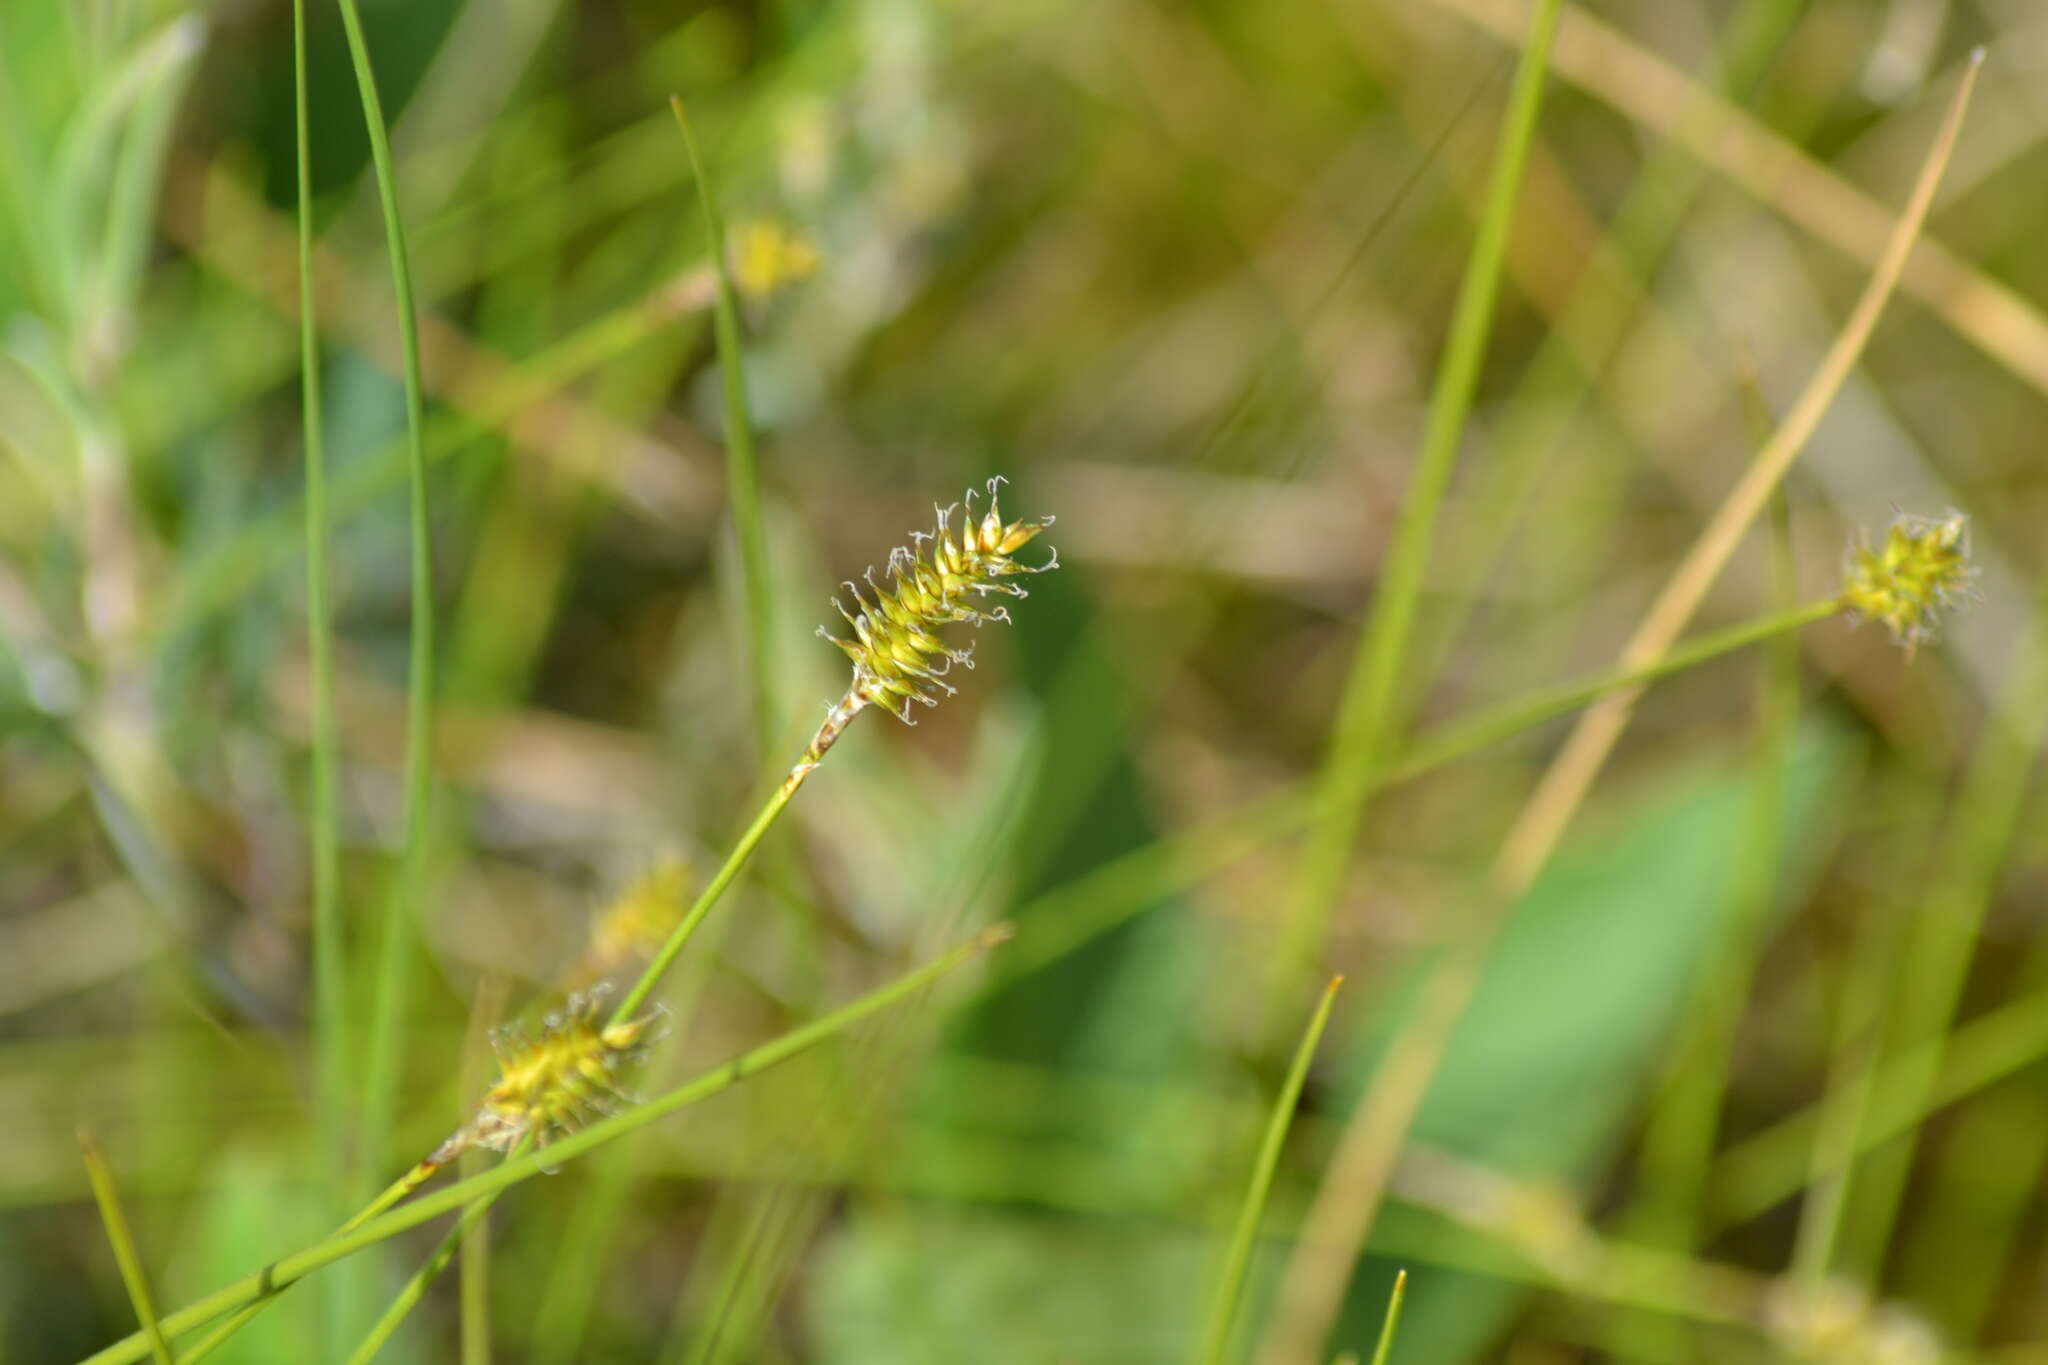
397	941
332	1031
1392	1323
1237	1261
1366	719
123	1242
415	1287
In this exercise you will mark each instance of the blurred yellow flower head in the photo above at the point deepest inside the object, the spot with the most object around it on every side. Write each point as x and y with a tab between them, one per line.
1922	566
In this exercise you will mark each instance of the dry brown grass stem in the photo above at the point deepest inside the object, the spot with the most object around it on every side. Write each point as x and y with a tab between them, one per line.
1646	88
1348	1200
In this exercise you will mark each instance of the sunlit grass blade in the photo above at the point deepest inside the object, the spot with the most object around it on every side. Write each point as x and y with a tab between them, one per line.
284	1272
743	473
398	940
123	1242
1229	1293
1366	722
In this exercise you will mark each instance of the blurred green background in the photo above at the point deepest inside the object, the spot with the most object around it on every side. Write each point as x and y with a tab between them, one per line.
1757	1071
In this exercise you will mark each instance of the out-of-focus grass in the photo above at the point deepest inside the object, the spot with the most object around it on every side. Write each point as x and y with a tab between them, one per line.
1183	275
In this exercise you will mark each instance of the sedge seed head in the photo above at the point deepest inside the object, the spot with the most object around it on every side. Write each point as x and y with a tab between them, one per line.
940	578
638	920
557	1082
768	255
1922	566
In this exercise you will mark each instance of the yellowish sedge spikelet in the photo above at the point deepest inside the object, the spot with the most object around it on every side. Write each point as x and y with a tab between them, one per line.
1923	565
553	1084
629	929
768	255
939	579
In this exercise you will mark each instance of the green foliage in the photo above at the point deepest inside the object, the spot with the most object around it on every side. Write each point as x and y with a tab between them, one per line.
1202	281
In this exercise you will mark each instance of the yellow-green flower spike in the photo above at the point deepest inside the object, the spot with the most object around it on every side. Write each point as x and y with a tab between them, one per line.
1923	566
629	929
553	1084
768	255
939	579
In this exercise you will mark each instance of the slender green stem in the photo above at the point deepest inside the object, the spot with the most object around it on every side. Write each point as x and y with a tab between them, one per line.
123	1242
230	1325
415	1288
332	1030
742	468
1237	1261
1392	1324
330	988
1457	738
1366	721
395	951
281	1273
734	861
476	1293
1065	917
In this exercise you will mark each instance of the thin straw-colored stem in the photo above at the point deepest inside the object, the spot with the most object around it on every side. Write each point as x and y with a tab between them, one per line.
123	1242
1345	1206
742	467
289	1269
1238	1260
389	1004
1366	718
1660	97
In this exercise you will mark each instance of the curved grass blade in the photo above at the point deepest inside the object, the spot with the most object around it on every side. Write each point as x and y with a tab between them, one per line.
1237	1262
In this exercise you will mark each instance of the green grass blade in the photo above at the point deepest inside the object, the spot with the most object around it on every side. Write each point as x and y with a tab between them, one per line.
1366	719
476	1290
331	1012
123	1242
1237	1261
742	469
330	1003
386	1034
1392	1324
415	1288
